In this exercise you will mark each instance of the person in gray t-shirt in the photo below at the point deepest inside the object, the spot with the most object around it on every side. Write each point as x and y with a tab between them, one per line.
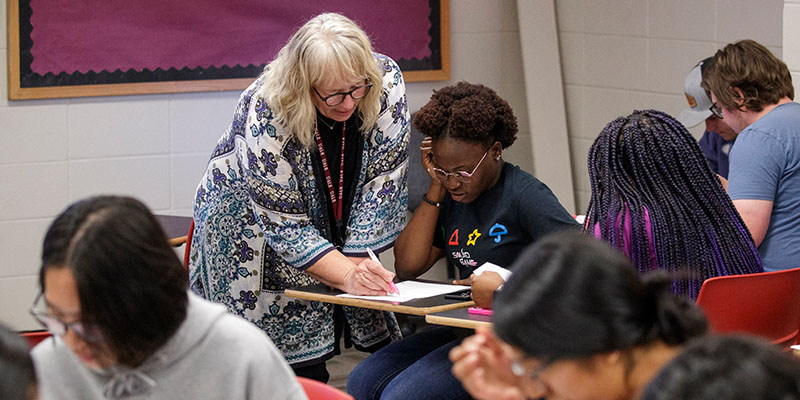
752	91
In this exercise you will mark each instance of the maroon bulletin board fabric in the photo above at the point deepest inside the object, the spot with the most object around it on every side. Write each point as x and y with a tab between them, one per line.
108	35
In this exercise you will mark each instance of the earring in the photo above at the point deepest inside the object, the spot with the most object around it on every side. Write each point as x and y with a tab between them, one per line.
497	158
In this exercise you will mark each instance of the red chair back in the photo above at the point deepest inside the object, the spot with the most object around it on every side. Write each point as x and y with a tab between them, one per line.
316	390
35	337
766	304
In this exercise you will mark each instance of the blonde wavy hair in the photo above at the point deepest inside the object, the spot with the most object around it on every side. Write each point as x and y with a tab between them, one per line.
329	48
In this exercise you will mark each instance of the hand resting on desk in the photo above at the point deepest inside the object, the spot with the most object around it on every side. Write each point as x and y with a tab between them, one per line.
483	287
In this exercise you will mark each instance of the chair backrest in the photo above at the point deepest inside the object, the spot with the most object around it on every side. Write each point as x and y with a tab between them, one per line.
316	390
766	304
34	337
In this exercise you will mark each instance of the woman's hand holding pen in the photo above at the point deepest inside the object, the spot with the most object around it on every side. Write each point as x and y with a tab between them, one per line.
368	278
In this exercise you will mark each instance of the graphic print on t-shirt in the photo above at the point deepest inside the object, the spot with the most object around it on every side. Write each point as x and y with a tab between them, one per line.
463	256
498	231
453	238
473	237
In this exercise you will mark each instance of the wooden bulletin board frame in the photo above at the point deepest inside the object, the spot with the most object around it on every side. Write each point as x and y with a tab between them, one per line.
18	91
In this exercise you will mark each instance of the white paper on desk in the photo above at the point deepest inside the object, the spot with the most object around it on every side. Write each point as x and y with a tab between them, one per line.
410	290
487	266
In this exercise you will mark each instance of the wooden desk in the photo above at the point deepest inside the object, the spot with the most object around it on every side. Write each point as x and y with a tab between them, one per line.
424	306
176	228
459	318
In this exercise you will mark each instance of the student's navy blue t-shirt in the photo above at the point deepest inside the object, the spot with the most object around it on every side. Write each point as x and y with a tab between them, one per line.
518	210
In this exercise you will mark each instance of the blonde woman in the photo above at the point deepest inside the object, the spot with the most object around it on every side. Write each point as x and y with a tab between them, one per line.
308	177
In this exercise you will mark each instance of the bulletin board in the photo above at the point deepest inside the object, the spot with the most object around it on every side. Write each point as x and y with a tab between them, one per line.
83	48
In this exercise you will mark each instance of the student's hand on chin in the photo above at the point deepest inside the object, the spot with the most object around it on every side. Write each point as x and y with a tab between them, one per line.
484	368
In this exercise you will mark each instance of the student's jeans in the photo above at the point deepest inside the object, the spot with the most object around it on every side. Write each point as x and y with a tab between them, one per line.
416	367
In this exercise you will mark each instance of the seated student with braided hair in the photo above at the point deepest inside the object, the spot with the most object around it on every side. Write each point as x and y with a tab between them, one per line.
576	321
655	198
478	209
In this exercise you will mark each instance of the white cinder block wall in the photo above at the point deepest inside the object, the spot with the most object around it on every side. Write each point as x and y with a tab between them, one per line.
616	55
620	55
791	40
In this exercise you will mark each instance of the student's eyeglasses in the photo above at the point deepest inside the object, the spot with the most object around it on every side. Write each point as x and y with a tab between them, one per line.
521	371
461	176
337	98
88	333
716	110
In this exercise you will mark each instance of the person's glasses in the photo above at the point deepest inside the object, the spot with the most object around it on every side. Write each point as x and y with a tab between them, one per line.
521	371
716	110
337	98
56	327
461	176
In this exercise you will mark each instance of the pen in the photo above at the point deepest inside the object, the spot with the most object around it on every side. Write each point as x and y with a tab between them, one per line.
375	258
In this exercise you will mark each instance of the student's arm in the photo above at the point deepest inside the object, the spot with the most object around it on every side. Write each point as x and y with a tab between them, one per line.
414	252
757	163
723	181
755	214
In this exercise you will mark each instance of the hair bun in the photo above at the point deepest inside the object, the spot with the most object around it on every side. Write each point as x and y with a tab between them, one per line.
676	318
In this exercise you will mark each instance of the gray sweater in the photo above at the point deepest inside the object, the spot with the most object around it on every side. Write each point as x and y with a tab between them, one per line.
213	355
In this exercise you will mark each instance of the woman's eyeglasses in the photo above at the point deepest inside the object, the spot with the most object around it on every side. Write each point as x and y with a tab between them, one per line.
461	176
521	371
716	110
88	333
337	98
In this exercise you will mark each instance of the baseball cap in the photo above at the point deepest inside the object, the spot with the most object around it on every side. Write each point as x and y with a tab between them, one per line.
699	103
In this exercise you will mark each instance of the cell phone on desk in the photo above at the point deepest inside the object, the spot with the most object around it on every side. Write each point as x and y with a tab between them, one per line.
464	295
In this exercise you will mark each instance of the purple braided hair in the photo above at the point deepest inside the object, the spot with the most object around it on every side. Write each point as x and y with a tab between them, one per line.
648	160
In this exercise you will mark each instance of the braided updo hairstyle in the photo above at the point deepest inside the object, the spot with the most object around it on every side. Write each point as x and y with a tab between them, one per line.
573	296
648	162
468	112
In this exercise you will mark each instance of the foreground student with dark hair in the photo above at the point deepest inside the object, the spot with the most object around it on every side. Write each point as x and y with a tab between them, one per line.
655	198
728	368
114	296
576	321
17	376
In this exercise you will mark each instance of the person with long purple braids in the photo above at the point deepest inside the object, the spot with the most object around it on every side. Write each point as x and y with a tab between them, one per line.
655	198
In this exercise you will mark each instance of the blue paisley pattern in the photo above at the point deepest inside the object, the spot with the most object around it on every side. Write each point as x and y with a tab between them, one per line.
258	221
